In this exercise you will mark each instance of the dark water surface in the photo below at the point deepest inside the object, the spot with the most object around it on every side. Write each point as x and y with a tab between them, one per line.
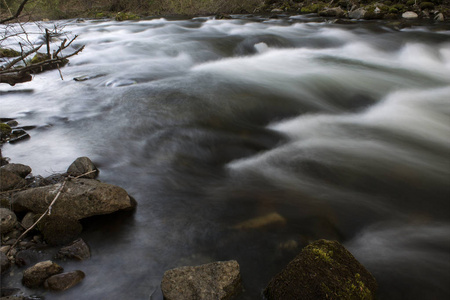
343	130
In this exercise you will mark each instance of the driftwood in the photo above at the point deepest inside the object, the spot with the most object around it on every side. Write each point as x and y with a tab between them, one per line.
14	78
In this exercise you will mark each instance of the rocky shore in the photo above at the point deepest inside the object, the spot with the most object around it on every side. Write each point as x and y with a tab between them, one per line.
39	215
438	10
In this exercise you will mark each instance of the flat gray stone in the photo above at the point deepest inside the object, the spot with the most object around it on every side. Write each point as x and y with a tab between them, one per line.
218	280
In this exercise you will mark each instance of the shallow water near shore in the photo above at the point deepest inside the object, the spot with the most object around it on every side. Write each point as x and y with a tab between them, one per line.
342	129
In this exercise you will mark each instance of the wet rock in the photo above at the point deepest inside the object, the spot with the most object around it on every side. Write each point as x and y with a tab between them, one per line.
323	270
410	15
10	181
272	219
83	165
18	169
218	280
4	262
28	220
58	230
335	12
276	10
64	281
80	198
5	131
8	220
35	276
18	135
78	250
358	13
9	291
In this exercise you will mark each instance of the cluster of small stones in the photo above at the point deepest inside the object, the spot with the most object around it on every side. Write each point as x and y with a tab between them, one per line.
19	250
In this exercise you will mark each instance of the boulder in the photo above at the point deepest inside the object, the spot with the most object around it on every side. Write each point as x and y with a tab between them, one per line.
4	262
35	276
77	249
358	13
83	165
64	281
218	280
323	270
59	230
439	17
28	220
80	198
10	181
410	15
8	220
335	12
18	169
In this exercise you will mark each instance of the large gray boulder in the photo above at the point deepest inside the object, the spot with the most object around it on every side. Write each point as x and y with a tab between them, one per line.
83	165
80	198
218	280
323	270
35	276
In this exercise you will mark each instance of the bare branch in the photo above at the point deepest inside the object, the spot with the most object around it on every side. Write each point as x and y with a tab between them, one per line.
17	14
15	61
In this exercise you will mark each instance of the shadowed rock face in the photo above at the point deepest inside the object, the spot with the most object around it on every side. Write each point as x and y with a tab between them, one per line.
323	270
218	280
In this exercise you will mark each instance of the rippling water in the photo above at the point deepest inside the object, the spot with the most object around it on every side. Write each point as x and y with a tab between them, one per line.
344	130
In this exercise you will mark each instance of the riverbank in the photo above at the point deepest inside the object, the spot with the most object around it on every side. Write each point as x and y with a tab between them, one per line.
136	9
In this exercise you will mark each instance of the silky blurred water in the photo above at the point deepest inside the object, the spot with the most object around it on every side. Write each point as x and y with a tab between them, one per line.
343	130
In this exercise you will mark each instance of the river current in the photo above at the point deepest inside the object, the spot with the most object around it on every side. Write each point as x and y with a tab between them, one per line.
343	130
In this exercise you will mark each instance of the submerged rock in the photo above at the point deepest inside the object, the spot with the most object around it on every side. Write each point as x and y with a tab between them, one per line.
35	276
83	165
8	220
64	281
272	219
323	270
218	280
80	198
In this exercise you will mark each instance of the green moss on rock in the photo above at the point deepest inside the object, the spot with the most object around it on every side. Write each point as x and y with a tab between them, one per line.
312	8
5	130
323	270
5	52
125	16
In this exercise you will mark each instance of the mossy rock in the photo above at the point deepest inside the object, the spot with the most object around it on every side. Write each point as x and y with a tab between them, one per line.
125	16
39	57
323	270
426	5
410	2
312	9
5	52
5	130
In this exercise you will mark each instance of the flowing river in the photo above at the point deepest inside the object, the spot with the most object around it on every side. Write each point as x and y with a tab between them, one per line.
343	130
